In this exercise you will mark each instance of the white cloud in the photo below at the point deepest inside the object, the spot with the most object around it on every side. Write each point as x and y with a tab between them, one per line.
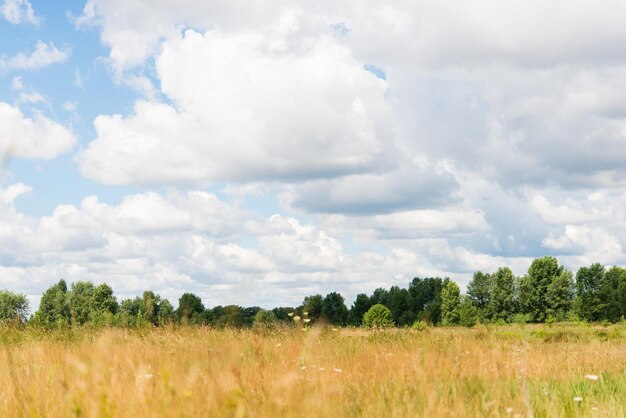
31	138
244	111
594	244
18	11
43	55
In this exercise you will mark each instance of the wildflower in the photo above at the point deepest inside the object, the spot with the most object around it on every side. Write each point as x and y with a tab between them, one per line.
335	329
290	314
591	377
296	318
279	344
302	367
305	313
321	369
578	398
337	370
307	320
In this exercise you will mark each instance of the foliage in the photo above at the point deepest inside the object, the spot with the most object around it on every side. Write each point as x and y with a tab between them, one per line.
264	319
502	297
479	290
13	307
588	283
560	296
378	316
541	273
450	304
468	313
190	309
313	305
419	325
361	304
334	309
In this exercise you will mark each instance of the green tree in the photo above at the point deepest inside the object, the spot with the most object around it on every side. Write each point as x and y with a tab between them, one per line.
541	273
378	316
80	300
398	303
189	307
502	299
166	314
479	292
103	300
13	307
228	316
334	309
361	304
468	312
560	296
450	303
588	282
610	293
265	319
313	305
425	298
621	288
54	310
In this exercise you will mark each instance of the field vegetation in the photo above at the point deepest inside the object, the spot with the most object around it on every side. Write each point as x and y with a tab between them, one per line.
563	370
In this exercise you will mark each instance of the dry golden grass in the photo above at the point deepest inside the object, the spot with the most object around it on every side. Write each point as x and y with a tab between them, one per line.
202	372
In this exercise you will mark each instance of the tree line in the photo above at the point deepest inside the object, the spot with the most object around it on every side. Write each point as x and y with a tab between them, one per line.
546	293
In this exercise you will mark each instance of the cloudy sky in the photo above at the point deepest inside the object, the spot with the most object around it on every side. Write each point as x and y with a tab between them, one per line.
258	152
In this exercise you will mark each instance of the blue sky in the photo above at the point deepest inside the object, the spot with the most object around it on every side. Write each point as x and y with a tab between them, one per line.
255	154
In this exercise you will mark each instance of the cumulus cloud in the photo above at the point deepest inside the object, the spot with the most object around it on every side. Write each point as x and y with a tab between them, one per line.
32	138
415	138
246	109
18	11
43	55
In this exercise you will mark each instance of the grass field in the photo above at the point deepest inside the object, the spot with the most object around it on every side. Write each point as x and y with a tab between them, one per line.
492	371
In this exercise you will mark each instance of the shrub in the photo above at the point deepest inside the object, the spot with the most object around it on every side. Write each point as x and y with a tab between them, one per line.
419	325
264	319
378	316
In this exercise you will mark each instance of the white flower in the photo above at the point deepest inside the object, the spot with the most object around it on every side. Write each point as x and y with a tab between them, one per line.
290	314
592	376
337	370
578	398
307	320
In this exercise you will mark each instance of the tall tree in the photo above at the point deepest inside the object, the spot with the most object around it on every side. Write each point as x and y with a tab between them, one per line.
313	305
361	304
334	309
560	296
425	298
189	306
13	307
479	290
450	303
610	293
54	310
502	300
80	300
398	304
103	300
588	282
541	273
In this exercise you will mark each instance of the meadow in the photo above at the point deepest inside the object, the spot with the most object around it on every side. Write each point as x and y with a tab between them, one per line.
564	370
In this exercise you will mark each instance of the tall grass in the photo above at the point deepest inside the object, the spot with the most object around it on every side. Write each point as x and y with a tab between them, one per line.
202	372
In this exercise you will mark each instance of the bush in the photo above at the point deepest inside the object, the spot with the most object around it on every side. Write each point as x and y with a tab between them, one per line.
419	325
378	316
264	319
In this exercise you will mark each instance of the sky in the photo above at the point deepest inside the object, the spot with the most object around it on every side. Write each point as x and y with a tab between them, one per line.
255	153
